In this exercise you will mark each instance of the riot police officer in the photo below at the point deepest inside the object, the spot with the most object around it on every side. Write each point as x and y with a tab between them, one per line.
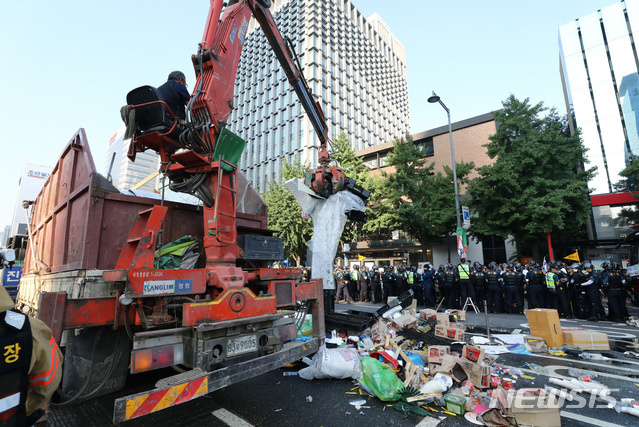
376	290
428	289
388	282
439	282
448	291
614	287
343	280
536	282
510	289
593	285
479	282
493	288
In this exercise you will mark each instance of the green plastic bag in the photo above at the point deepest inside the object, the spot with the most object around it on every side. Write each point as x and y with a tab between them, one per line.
380	380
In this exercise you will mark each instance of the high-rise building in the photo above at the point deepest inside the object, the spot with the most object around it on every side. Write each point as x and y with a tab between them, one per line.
125	174
354	66
599	66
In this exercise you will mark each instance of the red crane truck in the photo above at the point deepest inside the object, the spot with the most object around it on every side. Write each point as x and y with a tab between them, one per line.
90	270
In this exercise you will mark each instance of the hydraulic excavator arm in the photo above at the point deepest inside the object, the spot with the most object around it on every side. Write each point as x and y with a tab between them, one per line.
200	156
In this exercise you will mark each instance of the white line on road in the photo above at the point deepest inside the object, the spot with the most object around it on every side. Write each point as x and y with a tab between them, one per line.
598	364
588	420
230	419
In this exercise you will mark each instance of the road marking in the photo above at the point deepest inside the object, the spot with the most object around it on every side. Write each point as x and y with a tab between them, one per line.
598	364
589	420
230	419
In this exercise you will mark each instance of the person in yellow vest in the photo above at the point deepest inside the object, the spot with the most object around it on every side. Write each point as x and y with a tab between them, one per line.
30	365
466	285
552	284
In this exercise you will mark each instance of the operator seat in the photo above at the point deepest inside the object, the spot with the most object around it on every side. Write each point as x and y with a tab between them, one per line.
147	119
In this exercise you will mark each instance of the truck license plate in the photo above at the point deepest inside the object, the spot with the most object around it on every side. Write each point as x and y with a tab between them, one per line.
246	344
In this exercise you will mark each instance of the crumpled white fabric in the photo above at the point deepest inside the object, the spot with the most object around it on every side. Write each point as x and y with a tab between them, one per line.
329	218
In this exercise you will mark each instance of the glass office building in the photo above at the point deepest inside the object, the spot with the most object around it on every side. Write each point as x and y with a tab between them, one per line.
355	67
599	65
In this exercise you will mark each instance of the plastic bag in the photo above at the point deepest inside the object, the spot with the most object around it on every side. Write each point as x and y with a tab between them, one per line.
332	363
380	380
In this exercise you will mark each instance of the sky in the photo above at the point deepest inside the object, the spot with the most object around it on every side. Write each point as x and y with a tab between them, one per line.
69	65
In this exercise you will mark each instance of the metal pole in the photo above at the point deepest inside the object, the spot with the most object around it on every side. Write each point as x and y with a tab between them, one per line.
452	153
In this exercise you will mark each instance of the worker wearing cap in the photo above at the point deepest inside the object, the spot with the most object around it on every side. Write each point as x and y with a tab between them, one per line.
30	365
175	94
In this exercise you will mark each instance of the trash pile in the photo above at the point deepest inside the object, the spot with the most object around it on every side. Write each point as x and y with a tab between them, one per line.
422	363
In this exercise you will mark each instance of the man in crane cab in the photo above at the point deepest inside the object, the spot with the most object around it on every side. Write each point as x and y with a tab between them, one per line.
174	93
30	362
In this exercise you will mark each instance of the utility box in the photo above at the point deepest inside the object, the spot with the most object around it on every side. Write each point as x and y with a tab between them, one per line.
261	247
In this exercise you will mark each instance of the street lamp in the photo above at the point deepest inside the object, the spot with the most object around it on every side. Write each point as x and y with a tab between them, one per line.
433	99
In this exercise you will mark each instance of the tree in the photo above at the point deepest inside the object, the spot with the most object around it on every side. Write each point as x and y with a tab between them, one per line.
285	214
537	183
422	202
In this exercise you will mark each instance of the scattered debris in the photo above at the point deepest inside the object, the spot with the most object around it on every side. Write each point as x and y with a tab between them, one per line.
423	363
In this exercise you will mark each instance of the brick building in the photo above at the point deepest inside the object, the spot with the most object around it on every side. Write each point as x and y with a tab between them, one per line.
391	247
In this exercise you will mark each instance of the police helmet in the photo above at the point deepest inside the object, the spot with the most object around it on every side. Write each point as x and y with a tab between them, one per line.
615	266
441	267
413	268
492	265
449	265
605	265
510	265
356	267
374	267
587	265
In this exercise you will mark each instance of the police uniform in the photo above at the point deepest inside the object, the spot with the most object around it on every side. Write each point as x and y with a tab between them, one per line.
30	365
388	282
510	292
478	278
376	289
613	283
536	292
343	279
493	292
466	285
448	291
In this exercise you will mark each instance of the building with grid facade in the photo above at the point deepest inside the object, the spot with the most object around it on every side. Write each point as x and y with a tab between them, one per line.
125	174
599	70
354	66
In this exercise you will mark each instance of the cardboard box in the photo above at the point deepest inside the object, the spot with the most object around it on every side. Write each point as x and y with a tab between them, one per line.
443	319
533	410
458	326
436	353
428	313
451	333
544	323
474	354
477	373
586	339
405	321
460	315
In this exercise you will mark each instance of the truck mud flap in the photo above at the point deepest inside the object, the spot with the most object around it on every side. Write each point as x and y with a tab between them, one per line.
192	384
96	362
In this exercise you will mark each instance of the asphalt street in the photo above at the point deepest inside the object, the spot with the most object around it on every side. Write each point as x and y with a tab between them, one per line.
277	398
